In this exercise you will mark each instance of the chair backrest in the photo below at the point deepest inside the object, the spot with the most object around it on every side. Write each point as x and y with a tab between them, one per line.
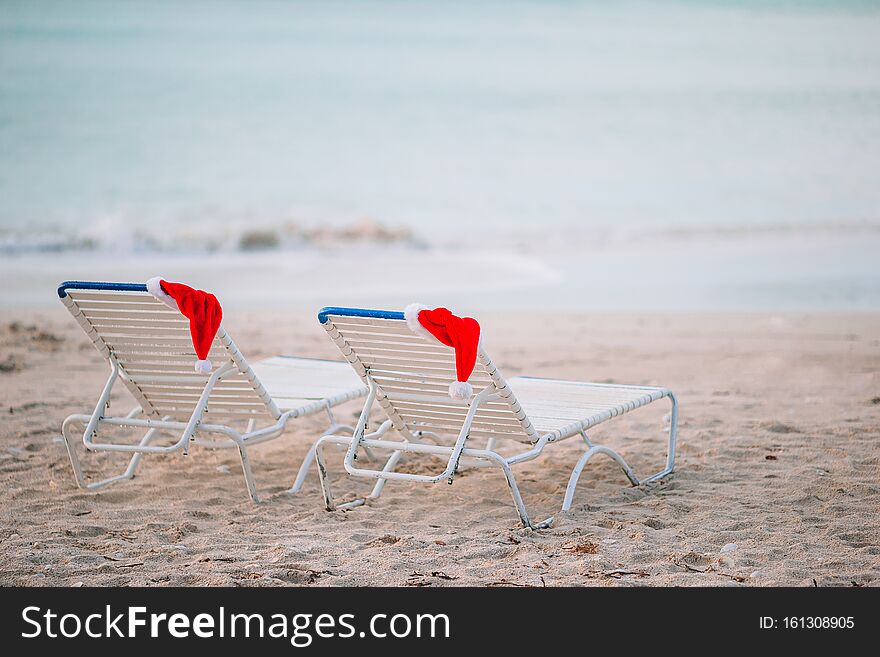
412	376
152	346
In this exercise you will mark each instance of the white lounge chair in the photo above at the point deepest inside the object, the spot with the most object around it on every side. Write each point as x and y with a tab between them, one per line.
149	349
408	378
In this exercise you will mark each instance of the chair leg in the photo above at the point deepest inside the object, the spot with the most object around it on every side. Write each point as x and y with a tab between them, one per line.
71	450
248	474
129	472
303	471
329	502
601	449
496	459
321	464
69	443
389	466
493	457
518	501
670	447
582	462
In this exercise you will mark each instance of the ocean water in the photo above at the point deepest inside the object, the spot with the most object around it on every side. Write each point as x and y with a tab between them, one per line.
739	136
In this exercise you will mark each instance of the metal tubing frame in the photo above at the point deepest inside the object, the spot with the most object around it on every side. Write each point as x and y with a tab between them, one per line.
452	465
457	451
189	434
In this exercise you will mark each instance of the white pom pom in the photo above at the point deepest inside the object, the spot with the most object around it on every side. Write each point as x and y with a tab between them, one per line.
461	390
154	287
204	366
411	315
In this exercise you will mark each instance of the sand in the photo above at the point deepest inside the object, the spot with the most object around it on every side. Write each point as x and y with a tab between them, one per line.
777	480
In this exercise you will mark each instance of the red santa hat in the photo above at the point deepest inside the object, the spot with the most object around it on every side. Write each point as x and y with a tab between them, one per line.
460	333
201	309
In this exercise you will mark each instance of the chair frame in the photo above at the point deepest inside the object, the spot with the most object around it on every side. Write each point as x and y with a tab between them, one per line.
411	438
194	428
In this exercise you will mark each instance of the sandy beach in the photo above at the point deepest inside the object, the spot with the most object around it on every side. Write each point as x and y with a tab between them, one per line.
777	481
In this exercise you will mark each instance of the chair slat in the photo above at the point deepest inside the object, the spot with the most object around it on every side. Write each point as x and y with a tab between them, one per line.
155	388
180	397
144	324
113	296
159	312
150	306
396	342
183	367
391	350
498	410
133	353
419	372
458	418
382	360
148	341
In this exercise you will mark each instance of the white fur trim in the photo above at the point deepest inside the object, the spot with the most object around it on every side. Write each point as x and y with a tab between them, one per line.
461	390
411	315
154	287
204	366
